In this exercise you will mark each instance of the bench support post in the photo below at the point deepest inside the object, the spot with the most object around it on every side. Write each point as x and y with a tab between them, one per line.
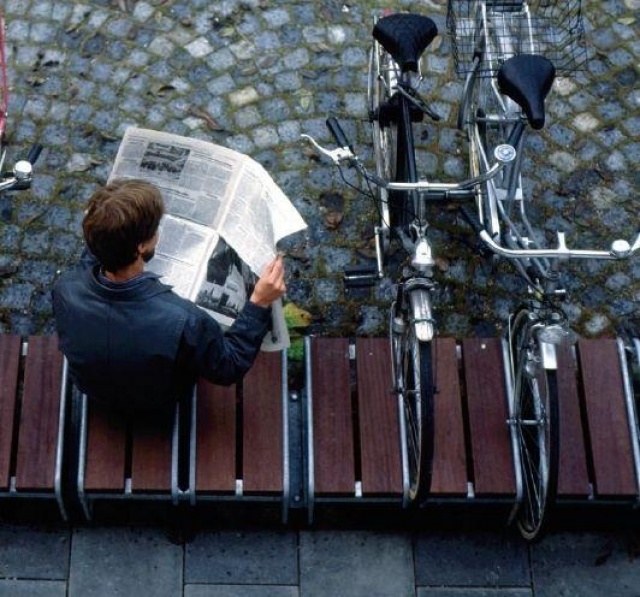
632	415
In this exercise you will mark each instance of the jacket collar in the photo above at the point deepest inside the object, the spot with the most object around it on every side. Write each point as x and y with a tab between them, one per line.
147	287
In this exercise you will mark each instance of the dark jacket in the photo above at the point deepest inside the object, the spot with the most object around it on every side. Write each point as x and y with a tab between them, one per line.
141	346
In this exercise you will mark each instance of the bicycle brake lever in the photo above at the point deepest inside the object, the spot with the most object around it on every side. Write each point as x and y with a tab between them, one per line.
337	155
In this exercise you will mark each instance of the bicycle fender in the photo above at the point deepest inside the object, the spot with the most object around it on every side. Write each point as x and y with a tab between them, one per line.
421	314
548	357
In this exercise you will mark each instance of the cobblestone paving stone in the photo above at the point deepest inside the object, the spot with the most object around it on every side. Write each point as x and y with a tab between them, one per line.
253	75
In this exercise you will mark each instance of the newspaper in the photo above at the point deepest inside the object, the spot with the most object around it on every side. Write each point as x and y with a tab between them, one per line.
224	218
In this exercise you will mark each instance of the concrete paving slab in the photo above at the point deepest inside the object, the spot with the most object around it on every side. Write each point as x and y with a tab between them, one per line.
248	557
586	565
474	559
239	591
356	564
34	552
469	592
124	561
33	588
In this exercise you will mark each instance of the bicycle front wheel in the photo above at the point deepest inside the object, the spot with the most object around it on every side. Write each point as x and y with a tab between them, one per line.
414	379
536	424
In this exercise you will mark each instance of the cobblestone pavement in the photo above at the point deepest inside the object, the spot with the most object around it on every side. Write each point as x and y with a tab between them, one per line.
255	74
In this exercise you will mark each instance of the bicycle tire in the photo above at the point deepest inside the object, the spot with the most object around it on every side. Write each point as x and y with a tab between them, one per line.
414	370
536	420
384	134
393	143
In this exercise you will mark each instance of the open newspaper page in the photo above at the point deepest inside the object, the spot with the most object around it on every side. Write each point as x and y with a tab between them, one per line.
225	215
182	252
194	176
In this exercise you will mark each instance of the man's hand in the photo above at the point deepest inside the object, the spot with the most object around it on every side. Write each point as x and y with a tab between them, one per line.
271	285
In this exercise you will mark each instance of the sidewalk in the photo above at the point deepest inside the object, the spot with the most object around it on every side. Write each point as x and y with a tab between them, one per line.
100	561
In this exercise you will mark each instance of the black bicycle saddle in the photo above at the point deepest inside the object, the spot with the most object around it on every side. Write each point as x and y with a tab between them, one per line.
527	79
405	36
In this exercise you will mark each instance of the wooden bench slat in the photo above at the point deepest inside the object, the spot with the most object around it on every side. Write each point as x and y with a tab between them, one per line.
151	452
488	413
334	466
378	417
216	438
39	418
607	415
262	435
573	476
9	367
449	456
105	450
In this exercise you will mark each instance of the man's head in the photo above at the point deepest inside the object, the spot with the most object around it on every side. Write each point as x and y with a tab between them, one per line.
121	220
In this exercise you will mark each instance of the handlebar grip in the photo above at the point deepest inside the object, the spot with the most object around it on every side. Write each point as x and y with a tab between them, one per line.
34	153
338	134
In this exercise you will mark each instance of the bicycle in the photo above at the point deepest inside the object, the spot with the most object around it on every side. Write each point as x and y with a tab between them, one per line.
497	105
21	175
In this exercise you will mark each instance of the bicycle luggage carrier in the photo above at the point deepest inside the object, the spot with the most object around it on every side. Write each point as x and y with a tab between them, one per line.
506	28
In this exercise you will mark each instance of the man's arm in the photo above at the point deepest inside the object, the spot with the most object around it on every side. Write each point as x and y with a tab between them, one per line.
225	358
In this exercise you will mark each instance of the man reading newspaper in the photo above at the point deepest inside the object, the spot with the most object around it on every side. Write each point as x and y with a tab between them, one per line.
130	340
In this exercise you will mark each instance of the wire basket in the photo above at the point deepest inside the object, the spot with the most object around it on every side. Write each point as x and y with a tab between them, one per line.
505	28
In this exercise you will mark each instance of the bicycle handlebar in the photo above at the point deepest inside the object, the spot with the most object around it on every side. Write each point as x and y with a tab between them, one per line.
620	249
22	174
344	153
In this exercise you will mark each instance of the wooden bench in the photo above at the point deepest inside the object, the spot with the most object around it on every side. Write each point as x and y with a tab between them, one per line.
352	424
240	437
117	461
234	443
231	443
599	449
32	419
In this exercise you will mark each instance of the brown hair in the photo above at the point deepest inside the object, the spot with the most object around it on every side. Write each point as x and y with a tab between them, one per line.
119	217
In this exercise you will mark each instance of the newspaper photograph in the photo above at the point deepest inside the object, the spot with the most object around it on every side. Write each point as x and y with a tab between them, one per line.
228	284
224	218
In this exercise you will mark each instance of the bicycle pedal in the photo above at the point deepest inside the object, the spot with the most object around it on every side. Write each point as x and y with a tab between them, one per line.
360	276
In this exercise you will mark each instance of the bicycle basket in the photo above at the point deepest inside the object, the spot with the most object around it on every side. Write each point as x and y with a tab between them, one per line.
505	28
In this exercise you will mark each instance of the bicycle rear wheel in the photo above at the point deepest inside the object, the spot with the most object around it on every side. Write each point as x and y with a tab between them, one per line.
383	76
536	424
414	382
393	143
